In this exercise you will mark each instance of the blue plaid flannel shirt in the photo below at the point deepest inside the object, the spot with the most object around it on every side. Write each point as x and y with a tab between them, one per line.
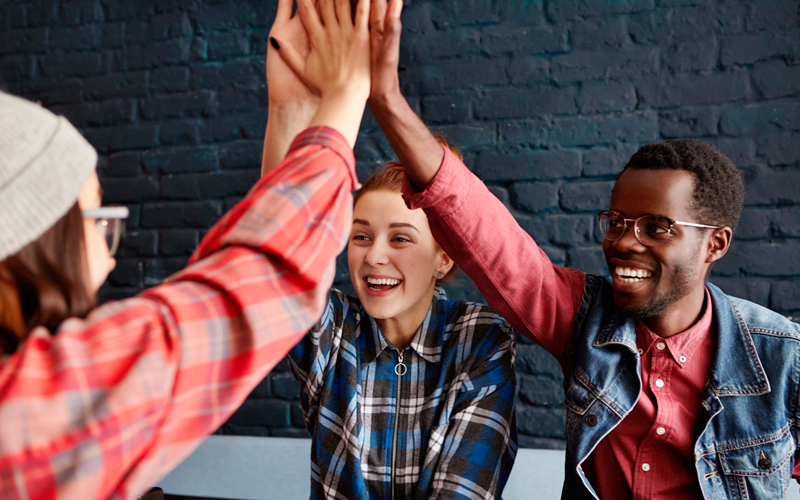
449	418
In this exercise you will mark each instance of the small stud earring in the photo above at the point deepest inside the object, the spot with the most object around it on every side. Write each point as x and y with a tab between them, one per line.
439	275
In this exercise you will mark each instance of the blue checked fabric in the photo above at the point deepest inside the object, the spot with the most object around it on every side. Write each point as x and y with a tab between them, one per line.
449	418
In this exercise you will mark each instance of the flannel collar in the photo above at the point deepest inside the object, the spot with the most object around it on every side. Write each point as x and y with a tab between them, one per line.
428	342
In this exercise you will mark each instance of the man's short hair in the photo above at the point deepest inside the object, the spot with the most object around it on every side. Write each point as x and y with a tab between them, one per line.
718	188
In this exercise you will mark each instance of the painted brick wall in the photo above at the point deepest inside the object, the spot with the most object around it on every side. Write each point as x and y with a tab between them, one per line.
547	98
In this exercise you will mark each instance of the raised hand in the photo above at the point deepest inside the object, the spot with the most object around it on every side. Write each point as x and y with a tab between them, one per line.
292	104
384	38
337	68
283	84
415	146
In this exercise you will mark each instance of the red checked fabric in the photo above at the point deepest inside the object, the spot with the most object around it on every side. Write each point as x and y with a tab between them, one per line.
109	405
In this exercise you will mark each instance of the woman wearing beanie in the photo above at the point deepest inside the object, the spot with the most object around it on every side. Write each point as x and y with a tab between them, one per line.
101	402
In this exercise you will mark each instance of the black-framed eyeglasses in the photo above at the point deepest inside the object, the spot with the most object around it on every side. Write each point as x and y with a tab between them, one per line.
110	223
650	230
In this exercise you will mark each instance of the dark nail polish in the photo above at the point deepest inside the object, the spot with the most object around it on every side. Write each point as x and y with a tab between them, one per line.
275	43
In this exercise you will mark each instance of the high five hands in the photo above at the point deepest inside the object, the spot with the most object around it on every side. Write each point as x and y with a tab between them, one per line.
384	38
335	60
336	67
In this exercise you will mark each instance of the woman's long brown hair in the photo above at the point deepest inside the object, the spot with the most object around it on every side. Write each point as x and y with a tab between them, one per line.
50	277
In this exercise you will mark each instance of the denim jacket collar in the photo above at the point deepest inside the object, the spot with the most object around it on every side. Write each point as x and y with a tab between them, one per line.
736	369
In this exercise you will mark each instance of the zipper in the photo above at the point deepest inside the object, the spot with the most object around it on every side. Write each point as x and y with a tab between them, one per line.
400	369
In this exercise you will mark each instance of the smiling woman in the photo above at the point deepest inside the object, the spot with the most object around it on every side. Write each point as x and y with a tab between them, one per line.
394	260
406	393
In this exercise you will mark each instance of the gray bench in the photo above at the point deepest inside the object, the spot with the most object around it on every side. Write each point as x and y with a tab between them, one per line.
257	468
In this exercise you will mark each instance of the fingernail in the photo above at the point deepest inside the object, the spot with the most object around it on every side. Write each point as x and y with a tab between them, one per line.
275	43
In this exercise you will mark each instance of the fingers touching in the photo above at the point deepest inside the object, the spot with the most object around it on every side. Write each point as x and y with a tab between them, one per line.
284	11
377	13
343	12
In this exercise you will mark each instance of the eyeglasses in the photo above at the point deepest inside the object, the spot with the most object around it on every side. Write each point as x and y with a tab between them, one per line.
109	223
650	230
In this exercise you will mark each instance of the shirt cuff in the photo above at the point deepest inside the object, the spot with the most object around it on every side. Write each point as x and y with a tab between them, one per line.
330	138
448	190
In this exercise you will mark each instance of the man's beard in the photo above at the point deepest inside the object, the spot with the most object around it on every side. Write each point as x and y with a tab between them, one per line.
681	286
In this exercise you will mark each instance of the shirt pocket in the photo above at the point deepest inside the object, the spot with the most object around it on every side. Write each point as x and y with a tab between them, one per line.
579	401
758	468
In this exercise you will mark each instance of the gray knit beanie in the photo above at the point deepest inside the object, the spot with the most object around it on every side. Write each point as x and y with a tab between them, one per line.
44	163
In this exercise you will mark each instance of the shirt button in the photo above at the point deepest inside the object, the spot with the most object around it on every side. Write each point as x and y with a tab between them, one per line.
661	431
683	359
659	383
661	346
641	351
645	467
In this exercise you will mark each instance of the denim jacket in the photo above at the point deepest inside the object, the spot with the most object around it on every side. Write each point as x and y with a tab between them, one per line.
747	428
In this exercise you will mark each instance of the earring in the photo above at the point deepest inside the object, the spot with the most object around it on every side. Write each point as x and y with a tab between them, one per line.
439	275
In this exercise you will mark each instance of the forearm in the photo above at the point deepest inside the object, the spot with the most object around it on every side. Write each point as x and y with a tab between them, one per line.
285	121
511	271
160	372
415	146
342	110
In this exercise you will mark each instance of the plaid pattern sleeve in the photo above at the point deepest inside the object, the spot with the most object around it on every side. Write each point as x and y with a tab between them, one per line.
110	404
442	427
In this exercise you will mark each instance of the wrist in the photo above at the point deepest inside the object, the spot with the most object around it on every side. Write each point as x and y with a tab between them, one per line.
292	110
342	111
348	93
387	105
386	101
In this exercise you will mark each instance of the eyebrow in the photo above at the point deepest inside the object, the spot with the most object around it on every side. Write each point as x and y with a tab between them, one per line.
403	224
643	215
392	225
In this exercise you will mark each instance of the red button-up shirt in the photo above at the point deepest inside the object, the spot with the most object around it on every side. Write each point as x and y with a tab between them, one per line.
656	440
540	300
109	405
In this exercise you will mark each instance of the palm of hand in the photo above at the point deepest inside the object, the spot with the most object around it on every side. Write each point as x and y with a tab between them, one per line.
283	84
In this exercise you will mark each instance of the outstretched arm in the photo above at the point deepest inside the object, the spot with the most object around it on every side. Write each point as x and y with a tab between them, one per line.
415	146
111	403
470	223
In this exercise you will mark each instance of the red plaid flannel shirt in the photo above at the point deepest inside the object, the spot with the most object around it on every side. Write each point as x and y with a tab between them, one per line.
110	404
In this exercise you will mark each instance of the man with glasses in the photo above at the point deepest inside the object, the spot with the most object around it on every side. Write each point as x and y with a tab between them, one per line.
674	390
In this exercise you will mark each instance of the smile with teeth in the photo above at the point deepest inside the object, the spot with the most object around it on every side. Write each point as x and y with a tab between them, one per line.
374	282
630	275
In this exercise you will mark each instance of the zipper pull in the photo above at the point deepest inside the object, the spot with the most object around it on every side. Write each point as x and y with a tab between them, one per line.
400	369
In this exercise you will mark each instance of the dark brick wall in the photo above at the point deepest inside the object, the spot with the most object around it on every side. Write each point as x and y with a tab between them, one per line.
547	98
